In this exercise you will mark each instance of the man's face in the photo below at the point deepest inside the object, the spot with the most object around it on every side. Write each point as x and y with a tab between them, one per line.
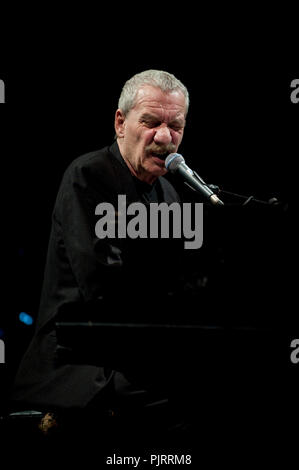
152	130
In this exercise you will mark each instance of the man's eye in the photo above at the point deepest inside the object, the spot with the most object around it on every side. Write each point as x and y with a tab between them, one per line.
177	126
151	124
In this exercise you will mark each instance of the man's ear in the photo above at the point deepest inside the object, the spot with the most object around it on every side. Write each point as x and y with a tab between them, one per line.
119	123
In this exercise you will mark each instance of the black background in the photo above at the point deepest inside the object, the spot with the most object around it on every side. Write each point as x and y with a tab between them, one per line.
62	88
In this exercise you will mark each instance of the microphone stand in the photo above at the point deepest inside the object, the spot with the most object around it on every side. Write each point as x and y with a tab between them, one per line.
247	199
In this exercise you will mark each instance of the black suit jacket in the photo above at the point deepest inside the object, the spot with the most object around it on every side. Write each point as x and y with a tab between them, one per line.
128	279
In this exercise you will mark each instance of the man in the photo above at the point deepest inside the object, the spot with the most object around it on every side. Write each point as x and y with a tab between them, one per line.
123	279
151	129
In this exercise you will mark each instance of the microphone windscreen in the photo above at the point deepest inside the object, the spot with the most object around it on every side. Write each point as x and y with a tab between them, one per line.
173	161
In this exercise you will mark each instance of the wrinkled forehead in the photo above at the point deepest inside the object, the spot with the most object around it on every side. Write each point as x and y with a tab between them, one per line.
154	99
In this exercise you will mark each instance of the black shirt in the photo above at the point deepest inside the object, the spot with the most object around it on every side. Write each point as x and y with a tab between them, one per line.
127	279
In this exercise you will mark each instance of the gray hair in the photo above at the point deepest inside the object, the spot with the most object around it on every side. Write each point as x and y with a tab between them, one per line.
158	78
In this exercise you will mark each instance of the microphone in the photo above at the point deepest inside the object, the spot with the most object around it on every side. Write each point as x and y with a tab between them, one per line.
175	163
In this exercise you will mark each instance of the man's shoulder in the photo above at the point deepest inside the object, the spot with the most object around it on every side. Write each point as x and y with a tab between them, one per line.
96	165
97	159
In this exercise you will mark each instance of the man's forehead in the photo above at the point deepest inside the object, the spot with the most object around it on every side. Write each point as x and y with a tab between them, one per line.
154	99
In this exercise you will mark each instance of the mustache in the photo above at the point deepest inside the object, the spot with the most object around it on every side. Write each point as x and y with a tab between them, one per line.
160	149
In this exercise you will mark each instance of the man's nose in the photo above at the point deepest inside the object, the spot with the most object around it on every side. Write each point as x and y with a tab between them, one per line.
162	136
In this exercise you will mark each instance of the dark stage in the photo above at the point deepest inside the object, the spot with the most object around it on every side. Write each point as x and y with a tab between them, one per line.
229	332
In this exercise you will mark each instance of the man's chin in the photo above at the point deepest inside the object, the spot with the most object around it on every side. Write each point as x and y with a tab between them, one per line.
151	174
156	167
157	170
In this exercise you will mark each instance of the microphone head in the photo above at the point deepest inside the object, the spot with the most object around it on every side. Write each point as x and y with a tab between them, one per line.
173	161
